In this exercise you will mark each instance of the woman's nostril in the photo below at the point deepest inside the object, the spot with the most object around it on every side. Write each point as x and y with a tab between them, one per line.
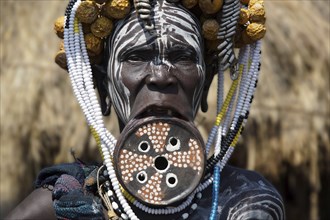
161	80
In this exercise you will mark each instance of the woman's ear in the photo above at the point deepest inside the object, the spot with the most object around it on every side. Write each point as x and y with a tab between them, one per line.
101	83
211	70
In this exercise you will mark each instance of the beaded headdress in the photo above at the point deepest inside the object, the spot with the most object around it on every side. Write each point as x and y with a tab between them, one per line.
226	24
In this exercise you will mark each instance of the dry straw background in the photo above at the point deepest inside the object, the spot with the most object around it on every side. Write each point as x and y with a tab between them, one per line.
286	139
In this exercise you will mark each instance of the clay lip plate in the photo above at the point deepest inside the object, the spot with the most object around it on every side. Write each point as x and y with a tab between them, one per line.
137	123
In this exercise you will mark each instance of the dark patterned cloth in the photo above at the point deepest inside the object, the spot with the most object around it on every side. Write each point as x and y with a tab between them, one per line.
72	200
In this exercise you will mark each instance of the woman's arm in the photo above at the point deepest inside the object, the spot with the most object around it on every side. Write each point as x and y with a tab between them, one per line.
38	205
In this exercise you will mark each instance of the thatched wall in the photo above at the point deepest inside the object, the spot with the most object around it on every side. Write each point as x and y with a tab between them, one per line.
286	139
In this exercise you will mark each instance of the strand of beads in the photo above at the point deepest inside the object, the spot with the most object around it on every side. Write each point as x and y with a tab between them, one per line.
81	77
236	128
94	107
230	98
215	193
220	89
229	107
94	118
220	92
211	137
228	21
226	157
77	65
114	210
243	60
116	207
216	176
165	211
243	85
247	86
193	207
253	81
221	131
242	57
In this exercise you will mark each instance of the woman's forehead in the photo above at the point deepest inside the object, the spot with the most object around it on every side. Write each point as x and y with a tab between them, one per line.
175	26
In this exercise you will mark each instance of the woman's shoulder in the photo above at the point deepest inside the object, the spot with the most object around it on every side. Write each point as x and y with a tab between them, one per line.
243	194
246	194
240	179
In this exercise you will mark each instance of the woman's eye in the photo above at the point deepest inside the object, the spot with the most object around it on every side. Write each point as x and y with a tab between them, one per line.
182	58
141	56
135	58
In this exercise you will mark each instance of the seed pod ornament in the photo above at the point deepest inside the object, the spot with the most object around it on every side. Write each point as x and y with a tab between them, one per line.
244	16
94	45
189	3
210	29
102	27
252	2
60	59
251	22
257	13
87	12
59	27
116	9
255	31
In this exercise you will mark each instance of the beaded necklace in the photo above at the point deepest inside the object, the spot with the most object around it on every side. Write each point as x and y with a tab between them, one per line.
229	122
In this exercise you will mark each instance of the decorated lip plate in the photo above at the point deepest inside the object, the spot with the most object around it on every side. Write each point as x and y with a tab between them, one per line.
161	161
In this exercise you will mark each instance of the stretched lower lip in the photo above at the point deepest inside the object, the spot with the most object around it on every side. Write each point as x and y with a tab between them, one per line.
160	112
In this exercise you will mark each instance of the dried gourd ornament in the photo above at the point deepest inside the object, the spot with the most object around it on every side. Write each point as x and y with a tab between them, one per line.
164	148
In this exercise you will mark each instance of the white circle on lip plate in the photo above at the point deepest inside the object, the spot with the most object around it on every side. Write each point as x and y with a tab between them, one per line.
145	177
171	175
142	150
170	147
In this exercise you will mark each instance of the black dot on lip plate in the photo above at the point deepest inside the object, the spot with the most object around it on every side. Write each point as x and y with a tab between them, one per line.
141	177
173	141
161	163
171	180
144	146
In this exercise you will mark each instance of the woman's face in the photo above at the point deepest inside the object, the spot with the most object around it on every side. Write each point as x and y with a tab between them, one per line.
159	74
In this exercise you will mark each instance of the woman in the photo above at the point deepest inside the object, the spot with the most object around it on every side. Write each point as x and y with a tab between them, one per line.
156	73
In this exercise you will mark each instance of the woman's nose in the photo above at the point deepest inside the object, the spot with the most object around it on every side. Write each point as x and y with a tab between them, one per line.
161	77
